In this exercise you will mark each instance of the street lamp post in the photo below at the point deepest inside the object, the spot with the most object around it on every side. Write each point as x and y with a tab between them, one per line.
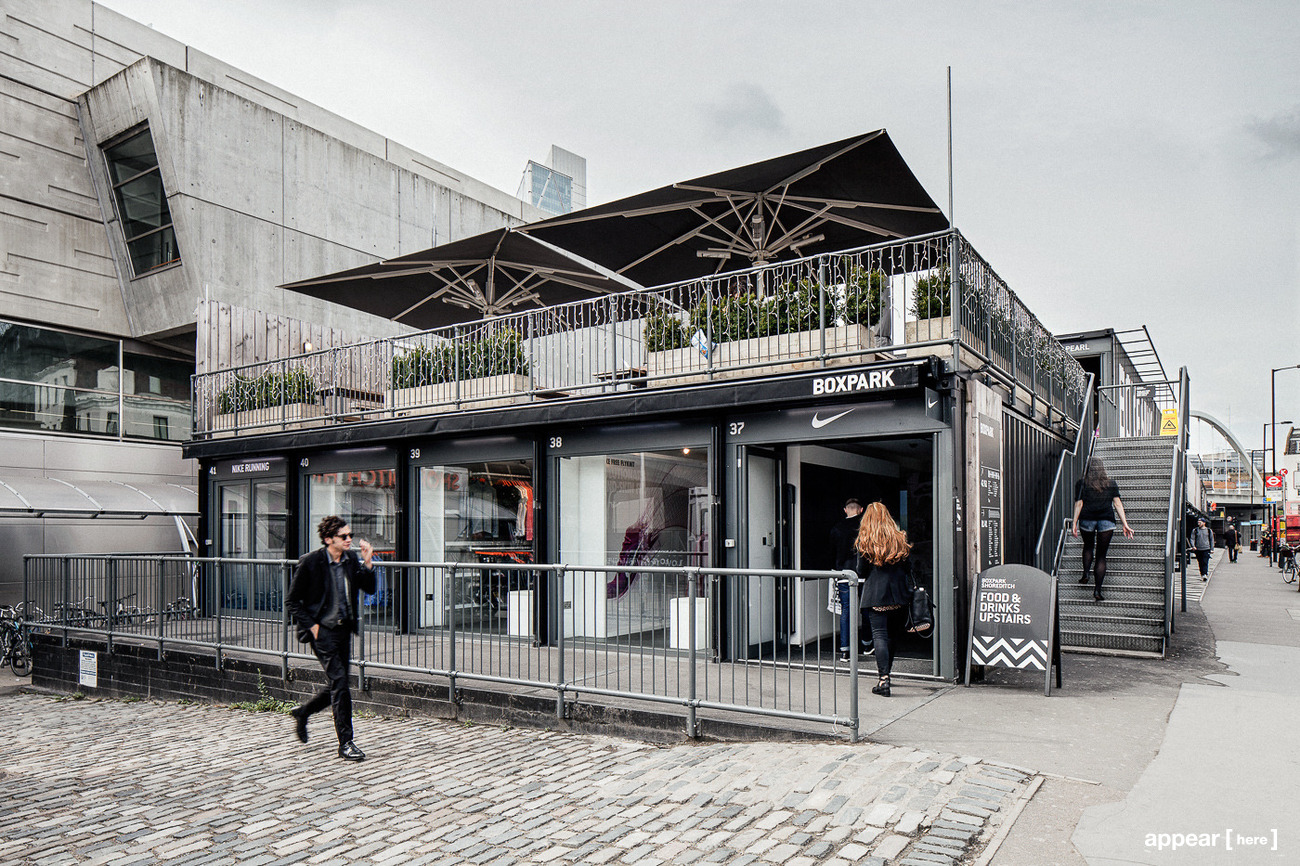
1272	393
1251	475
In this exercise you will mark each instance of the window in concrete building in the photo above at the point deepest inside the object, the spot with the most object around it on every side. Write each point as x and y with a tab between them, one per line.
141	202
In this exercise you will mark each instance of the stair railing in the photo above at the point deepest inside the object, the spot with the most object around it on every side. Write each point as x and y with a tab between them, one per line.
1060	502
1173	526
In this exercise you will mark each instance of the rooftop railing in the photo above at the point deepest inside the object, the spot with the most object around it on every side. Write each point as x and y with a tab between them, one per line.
888	301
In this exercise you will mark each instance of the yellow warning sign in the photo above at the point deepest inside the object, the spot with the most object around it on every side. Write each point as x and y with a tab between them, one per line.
1169	422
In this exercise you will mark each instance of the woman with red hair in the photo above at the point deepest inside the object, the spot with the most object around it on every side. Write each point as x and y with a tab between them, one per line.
886	593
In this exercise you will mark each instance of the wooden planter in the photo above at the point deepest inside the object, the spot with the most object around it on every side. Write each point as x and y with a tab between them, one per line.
779	353
290	415
476	393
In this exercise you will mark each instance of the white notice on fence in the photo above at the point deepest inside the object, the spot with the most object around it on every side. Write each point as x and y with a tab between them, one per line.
89	669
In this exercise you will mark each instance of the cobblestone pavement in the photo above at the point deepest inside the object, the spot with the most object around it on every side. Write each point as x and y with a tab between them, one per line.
119	783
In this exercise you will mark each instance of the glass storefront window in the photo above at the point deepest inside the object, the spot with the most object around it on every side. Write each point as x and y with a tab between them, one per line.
367	500
633	509
477	512
253	522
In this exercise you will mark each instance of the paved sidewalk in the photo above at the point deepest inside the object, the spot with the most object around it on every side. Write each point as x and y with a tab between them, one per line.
1226	781
117	783
1127	756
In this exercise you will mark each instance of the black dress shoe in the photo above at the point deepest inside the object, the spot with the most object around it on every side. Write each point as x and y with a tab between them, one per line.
301	725
1085	578
349	752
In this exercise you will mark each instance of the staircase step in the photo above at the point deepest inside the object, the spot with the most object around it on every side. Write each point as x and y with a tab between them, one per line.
1139	626
1108	641
1128	593
1081	611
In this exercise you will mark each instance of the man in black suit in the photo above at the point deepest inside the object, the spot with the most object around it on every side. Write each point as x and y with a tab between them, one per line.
322	600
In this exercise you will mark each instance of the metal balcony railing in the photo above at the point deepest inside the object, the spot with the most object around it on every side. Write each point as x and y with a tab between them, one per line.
894	300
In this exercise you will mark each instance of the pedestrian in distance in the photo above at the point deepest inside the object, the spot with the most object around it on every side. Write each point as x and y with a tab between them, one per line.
1202	544
843	535
1232	539
323	601
882	568
1096	503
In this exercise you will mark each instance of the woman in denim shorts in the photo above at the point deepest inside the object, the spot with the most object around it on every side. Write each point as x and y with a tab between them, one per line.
1096	502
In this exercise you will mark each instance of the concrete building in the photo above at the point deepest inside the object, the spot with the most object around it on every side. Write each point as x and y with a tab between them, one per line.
559	185
147	186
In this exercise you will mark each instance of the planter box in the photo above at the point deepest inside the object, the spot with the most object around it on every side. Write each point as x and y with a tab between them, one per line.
925	330
779	353
480	393
288	416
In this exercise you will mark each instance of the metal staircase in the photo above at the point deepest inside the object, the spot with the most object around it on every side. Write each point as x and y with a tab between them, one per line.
1133	617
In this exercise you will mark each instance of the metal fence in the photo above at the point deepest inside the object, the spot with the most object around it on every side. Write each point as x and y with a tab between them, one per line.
505	626
875	303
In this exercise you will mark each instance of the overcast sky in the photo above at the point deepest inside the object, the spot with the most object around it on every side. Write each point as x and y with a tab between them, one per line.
1120	164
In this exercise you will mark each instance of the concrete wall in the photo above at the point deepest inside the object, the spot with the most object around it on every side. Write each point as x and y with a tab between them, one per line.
263	187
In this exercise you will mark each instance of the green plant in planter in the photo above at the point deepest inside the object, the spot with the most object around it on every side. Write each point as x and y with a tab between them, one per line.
930	298
798	306
729	318
664	331
498	354
272	388
865	294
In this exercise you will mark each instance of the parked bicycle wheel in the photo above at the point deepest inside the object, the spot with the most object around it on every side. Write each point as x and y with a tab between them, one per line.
1289	573
20	656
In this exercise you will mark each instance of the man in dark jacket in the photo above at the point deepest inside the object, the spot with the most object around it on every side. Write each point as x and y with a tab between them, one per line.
323	598
844	533
843	536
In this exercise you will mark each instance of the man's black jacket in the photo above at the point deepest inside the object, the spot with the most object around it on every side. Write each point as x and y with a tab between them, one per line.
309	590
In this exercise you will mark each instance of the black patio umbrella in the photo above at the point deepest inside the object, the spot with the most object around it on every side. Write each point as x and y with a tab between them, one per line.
833	197
486	275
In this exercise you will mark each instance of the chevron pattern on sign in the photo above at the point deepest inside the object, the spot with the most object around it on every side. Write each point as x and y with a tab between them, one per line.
1015	652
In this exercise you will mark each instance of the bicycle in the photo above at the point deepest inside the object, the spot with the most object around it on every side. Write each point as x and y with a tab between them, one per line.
16	646
78	615
182	608
127	615
1289	570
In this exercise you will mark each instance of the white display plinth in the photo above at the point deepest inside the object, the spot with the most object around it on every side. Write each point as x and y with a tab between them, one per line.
678	636
519	613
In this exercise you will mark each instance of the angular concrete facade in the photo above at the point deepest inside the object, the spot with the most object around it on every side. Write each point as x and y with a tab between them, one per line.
263	188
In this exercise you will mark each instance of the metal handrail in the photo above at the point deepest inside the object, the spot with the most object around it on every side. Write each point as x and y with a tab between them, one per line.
1173	526
1054	498
242	611
566	348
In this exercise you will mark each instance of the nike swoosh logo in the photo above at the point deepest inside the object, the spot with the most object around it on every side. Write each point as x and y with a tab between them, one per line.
819	423
930	404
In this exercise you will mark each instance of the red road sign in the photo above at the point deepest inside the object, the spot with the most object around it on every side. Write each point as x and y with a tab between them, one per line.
1282	472
1272	481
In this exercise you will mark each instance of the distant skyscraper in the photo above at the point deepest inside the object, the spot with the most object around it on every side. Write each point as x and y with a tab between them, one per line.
557	186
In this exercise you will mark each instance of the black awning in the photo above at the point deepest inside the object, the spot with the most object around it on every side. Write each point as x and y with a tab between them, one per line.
491	274
833	197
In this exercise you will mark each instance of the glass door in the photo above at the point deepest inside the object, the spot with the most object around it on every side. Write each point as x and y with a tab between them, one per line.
763	601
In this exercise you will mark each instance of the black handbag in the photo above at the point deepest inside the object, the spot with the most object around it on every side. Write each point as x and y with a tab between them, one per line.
920	613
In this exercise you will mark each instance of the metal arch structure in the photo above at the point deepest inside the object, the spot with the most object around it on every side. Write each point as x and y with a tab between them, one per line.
1232	440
